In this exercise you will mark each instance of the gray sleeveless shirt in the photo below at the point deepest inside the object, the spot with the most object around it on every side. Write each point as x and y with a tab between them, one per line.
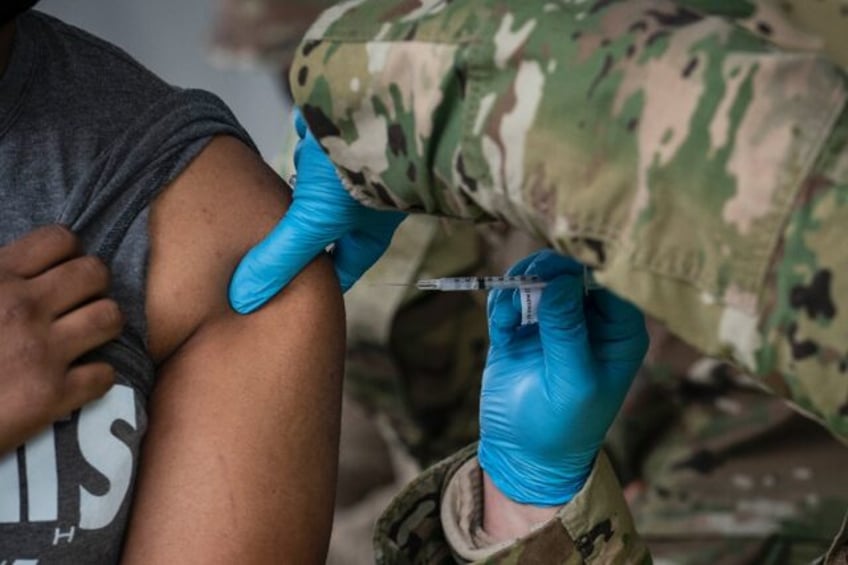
87	138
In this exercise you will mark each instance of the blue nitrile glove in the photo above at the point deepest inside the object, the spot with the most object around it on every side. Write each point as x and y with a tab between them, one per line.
552	390
322	212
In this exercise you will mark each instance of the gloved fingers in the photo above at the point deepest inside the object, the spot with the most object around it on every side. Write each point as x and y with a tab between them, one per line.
520	268
563	307
607	307
276	260
299	123
314	166
613	318
357	252
351	258
517	269
503	307
381	223
619	335
562	323
504	316
548	264
546	258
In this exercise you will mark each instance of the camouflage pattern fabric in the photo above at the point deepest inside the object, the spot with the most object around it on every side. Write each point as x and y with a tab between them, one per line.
700	434
733	475
726	474
698	163
700	168
592	526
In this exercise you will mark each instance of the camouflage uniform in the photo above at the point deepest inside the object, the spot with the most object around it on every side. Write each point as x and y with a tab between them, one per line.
726	473
699	163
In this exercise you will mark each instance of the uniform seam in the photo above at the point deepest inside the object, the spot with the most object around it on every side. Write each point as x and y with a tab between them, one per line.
797	184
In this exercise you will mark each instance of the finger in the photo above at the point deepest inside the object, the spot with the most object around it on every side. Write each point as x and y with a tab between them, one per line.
520	268
548	264
359	250
619	324
87	328
71	284
271	265
504	317
615	315
517	270
299	123
39	250
354	254
503	307
85	383
312	162
562	325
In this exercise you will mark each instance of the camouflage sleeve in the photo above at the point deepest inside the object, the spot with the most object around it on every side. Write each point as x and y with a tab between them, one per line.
437	518
700	169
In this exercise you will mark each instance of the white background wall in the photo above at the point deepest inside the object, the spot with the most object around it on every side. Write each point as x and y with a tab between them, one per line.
170	37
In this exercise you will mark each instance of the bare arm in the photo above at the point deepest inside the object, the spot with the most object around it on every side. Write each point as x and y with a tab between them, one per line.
504	519
239	463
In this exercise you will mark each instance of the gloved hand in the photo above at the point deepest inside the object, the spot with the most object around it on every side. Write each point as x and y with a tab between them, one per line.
552	390
322	212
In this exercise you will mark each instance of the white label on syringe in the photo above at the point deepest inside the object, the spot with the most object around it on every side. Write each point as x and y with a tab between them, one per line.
530	298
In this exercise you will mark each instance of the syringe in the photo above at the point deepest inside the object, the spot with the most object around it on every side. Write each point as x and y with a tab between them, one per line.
464	284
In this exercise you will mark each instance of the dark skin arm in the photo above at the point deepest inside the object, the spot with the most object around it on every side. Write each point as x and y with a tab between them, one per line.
239	462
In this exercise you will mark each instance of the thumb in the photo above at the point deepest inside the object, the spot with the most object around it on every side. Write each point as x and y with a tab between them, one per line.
358	250
299	123
85	383
354	254
504	317
274	262
562	326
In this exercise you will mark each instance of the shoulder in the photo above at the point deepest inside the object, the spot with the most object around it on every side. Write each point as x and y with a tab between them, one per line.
200	227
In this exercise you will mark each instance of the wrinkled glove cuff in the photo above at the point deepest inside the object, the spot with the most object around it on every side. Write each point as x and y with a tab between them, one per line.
527	482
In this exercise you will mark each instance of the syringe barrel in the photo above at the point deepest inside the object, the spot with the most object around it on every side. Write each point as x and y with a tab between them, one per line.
460	284
511	282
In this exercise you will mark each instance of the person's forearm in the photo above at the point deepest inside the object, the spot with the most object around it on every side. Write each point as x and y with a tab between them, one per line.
504	519
595	523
